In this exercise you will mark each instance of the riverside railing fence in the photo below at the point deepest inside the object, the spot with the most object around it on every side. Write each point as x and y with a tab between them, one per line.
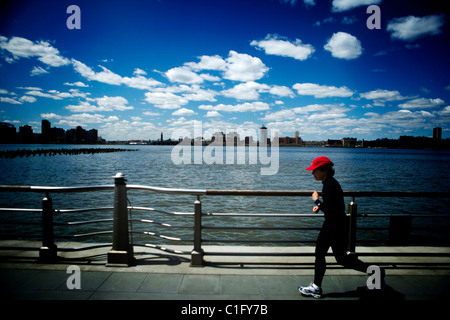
121	252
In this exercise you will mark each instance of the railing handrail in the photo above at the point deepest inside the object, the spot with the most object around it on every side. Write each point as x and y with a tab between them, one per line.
45	189
294	193
208	192
122	251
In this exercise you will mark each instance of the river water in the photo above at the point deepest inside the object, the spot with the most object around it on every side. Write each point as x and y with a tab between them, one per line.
356	170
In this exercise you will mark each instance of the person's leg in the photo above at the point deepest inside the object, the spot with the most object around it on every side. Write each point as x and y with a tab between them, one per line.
322	245
339	247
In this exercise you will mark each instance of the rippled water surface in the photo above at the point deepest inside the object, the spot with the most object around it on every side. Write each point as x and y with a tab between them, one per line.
356	169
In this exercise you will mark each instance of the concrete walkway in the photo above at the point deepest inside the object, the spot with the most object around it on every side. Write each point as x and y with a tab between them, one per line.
162	276
32	284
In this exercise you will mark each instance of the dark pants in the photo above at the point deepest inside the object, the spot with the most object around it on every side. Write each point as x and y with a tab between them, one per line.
334	234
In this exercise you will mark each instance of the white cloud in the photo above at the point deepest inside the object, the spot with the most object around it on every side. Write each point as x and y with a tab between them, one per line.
183	112
381	96
126	130
245	107
183	75
281	91
411	28
313	112
208	63
139	72
83	106
140	82
151	114
243	67
246	91
238	67
165	100
109	77
37	93
330	115
195	93
404	119
250	91
275	45
24	48
104	104
105	76
213	114
55	94
50	116
113	103
14	100
322	91
319	108
38	71
28	99
79	119
76	84
344	5
279	115
209	77
344	46
9	100
422	103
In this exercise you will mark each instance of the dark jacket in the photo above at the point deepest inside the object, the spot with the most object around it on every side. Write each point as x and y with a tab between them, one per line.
333	205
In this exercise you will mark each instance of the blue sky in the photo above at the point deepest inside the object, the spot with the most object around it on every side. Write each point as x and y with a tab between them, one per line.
139	68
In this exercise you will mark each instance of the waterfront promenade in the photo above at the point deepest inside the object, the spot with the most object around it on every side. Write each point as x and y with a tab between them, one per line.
159	275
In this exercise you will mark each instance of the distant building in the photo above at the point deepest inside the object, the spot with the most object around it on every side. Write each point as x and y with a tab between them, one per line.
233	139
286	141
92	136
218	137
263	141
334	143
249	141
26	134
81	135
7	133
349	142
437	133
45	131
57	135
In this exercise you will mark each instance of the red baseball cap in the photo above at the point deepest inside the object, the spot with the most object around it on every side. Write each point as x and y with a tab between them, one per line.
318	162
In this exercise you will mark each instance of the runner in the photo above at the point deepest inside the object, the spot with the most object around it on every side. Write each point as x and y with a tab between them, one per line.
334	232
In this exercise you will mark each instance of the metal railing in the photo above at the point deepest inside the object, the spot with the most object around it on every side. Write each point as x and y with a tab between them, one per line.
121	253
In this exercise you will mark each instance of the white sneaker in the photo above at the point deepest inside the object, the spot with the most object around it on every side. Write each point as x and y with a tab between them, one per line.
311	290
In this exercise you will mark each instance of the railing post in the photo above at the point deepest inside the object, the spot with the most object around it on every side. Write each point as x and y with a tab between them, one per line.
352	211
197	253
121	254
48	250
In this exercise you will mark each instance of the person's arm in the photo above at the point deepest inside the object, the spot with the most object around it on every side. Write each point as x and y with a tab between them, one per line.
315	197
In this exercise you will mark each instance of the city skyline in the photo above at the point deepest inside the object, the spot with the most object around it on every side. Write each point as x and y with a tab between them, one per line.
136	69
48	135
78	135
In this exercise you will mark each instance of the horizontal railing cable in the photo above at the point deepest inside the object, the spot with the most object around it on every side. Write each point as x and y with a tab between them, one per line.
161	211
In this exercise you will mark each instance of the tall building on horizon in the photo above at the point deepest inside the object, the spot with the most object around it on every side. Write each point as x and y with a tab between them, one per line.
437	133
263	136
45	131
